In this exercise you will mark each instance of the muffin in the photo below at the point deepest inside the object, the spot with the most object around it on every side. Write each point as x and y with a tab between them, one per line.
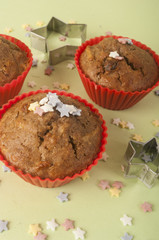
15	63
117	72
115	64
51	135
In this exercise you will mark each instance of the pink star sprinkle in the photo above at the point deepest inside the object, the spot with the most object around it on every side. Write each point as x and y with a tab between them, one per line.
70	66
118	184
108	33
104	184
44	87
147	207
62	38
40	236
68	224
31	84
48	71
39	111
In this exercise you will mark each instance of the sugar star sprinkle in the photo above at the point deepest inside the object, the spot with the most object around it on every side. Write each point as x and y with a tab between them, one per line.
126	220
103	184
48	71
85	176
114	192
47	108
125	41
108	33
3	226
156	92
70	66
147	207
39	111
62	38
118	184
6	169
8	30
31	84
115	55
155	123
34	229
56	85
79	233
33	106
127	237
62	197
123	124
34	62
68	224
105	157
52	224
130	125
137	137
39	23
116	121
64	86
44	87
40	236
157	135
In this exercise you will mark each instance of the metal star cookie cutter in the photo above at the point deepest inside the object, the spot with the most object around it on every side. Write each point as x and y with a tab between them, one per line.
44	39
142	161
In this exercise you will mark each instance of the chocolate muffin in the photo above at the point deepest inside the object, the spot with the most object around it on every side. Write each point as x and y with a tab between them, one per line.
50	136
13	61
119	64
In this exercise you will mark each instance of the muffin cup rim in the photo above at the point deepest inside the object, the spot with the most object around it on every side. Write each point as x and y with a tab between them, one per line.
95	161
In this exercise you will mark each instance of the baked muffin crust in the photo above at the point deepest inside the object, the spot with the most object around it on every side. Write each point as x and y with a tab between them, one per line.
13	61
136	70
49	146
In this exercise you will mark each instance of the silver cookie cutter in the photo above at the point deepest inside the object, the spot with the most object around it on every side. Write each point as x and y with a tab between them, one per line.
39	39
142	161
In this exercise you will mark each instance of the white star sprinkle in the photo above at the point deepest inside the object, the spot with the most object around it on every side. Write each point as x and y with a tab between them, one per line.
126	220
79	233
52	224
63	197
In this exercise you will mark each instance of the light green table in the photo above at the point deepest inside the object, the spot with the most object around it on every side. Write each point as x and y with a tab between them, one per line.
92	209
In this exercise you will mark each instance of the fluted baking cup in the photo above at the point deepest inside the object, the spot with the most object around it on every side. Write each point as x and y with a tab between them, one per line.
111	98
48	183
10	90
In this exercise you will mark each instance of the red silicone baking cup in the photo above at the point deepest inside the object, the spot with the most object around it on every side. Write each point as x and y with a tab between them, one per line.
105	97
10	90
48	183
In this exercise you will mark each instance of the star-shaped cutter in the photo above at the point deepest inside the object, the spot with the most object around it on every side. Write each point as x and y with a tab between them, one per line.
142	161
40	35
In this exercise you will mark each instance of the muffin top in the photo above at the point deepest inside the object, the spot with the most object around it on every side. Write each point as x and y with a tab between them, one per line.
119	64
50	136
13	61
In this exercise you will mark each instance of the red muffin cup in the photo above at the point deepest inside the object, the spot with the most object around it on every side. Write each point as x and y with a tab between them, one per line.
48	183
10	90
111	98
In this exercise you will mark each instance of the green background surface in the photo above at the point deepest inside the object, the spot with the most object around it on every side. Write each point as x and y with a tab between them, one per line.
92	209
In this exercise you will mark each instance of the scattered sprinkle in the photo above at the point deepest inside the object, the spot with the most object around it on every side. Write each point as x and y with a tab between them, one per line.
79	233
48	71
68	224
126	220
85	176
72	22
8	30
127	237
40	23
3	226
63	197
34	62
108	33
27	34
114	192
105	157
39	111
56	85
115	55
116	121
137	137
118	184
52	224
122	168
6	169
125	41
44	87
103	184
155	123
34	229
64	86
123	124
147	207
157	135
31	84
40	236
70	66
156	92
130	125
62	38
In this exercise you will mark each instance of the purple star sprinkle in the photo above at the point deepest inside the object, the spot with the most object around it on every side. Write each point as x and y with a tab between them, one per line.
3	226
156	92
127	237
